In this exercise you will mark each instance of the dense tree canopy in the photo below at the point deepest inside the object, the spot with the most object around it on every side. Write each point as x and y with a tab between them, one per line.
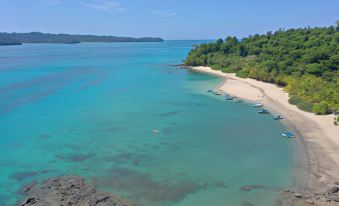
306	60
37	37
4	40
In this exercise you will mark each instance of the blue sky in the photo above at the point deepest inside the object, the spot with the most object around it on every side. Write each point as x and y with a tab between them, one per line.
170	19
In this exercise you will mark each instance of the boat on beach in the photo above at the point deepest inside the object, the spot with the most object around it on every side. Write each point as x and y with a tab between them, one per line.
258	105
288	134
229	98
278	117
216	93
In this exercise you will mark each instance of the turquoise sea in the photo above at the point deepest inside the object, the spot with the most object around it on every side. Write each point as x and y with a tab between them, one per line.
90	109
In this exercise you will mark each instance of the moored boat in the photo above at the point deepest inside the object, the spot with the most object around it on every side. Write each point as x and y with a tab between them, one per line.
264	111
288	134
258	105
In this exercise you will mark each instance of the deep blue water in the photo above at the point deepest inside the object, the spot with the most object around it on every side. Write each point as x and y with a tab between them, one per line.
89	109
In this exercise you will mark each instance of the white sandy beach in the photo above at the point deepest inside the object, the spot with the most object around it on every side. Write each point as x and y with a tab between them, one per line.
320	137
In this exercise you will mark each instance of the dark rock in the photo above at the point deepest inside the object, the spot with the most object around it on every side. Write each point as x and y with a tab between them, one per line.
247	204
309	201
307	196
246	188
334	189
28	187
334	198
99	199
323	198
298	195
70	191
20	176
29	201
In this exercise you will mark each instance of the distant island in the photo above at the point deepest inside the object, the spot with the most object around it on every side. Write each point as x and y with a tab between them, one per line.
6	40
38	37
305	61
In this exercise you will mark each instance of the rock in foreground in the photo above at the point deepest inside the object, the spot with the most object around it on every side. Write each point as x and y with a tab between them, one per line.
67	191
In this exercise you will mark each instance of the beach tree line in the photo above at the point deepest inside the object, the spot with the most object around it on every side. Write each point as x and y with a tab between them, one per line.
305	61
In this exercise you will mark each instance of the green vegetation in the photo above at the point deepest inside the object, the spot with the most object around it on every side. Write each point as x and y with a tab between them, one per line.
336	121
37	37
301	104
8	41
305	61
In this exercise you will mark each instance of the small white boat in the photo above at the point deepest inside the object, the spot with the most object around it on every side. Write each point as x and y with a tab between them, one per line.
288	134
258	105
155	131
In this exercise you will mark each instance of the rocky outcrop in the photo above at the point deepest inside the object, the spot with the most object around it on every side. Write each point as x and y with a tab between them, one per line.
330	197
67	191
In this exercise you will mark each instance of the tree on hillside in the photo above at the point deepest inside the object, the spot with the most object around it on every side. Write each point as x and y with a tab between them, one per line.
308	56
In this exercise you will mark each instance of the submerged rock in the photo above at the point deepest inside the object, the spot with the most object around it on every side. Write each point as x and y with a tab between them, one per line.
246	188
70	191
247	204
28	187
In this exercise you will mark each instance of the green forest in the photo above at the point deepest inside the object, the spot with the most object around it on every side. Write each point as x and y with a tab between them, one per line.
4	40
38	37
305	61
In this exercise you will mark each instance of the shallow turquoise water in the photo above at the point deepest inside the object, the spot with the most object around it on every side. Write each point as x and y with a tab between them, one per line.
89	110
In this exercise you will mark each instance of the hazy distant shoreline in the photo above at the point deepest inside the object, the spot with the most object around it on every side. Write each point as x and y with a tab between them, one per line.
38	37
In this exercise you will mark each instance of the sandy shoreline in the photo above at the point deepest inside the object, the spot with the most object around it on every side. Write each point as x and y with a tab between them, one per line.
319	144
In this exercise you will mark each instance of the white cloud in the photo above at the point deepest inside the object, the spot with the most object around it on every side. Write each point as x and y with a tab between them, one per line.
164	13
106	5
